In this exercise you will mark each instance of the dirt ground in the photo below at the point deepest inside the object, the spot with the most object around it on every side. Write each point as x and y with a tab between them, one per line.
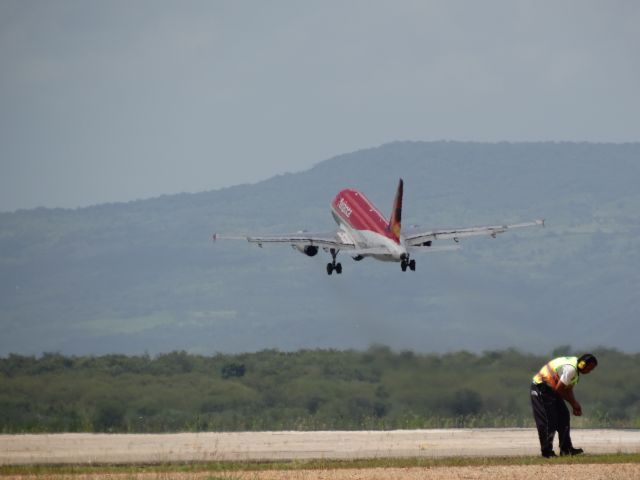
531	472
525	472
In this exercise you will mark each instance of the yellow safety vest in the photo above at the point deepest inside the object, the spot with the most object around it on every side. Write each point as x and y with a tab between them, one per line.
549	373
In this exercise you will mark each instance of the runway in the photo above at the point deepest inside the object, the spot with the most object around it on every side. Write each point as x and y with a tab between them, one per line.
84	448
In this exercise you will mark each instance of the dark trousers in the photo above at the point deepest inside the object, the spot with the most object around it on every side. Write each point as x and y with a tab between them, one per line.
551	415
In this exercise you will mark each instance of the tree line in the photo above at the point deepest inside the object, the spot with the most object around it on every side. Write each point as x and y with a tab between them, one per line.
304	390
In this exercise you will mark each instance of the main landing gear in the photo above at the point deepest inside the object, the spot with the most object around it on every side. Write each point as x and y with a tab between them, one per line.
405	262
333	265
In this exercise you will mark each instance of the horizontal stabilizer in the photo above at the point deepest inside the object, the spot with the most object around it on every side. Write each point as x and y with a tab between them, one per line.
444	248
368	251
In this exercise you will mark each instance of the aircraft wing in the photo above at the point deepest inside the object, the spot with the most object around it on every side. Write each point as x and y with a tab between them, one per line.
416	236
336	239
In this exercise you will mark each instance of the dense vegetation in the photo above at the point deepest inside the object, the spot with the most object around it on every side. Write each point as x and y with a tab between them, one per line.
304	390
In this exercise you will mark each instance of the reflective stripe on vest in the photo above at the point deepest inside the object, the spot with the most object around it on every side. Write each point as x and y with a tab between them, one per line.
549	373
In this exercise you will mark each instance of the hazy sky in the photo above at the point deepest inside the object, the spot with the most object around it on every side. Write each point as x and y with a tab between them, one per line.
105	101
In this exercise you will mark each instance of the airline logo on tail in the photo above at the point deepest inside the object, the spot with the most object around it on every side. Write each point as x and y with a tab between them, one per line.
395	224
344	208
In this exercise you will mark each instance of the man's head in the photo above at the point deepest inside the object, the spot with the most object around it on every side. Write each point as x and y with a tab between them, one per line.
587	362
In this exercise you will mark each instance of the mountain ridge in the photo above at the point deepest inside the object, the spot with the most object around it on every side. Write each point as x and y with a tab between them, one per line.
144	276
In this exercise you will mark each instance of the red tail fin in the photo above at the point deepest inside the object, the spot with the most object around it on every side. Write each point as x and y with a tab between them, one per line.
395	223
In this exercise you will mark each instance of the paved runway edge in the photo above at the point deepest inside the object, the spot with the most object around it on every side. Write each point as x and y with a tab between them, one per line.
86	448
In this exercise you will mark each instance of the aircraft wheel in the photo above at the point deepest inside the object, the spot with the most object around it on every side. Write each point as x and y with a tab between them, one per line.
403	265
329	268
339	268
412	265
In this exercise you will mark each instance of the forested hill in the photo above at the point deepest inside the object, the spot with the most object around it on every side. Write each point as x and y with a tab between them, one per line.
144	276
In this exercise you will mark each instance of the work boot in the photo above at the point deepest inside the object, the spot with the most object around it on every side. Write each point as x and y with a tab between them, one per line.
572	451
550	454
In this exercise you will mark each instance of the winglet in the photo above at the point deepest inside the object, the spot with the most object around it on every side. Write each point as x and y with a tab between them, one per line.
395	223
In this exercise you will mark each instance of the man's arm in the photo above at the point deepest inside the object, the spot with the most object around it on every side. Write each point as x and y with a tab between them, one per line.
566	392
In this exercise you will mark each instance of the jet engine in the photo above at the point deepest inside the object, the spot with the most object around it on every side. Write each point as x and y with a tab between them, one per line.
309	250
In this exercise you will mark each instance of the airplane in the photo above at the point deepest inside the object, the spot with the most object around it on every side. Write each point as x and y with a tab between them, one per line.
365	232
